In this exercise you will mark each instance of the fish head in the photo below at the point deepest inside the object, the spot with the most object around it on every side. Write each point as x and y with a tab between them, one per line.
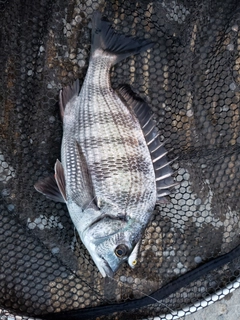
110	242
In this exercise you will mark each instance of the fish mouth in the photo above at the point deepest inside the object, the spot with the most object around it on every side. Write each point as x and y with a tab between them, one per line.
100	262
105	269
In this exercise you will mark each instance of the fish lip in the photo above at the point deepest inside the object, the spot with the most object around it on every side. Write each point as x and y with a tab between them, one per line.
107	269
101	263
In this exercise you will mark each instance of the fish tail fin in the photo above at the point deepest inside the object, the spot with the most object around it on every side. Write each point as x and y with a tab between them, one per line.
106	41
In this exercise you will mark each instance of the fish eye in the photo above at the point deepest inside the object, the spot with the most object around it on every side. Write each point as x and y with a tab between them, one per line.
121	250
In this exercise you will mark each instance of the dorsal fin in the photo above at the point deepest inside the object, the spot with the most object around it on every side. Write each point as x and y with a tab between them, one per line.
163	171
66	94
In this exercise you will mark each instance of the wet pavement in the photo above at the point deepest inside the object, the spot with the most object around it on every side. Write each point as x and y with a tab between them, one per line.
227	308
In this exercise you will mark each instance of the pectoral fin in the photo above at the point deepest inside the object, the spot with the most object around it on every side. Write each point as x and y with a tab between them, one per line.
49	188
81	186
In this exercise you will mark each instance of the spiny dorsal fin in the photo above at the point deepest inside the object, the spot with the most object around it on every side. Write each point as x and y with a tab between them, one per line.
142	111
66	94
49	188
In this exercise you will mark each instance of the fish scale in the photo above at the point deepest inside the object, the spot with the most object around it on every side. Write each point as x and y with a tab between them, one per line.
121	126
113	167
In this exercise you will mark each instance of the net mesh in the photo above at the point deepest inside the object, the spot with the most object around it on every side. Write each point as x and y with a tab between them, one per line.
191	80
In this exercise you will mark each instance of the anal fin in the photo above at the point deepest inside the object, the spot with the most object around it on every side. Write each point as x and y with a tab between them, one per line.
67	94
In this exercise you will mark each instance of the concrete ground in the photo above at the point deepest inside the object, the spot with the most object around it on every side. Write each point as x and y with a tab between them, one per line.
226	309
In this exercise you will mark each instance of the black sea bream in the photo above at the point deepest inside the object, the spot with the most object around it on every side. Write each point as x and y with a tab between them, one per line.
113	168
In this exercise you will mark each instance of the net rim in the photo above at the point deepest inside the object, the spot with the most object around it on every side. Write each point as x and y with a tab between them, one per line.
201	304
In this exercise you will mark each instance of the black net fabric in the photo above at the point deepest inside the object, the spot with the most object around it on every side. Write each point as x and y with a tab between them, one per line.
191	81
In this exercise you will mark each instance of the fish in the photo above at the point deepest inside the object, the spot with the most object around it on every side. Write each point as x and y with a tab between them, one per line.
113	168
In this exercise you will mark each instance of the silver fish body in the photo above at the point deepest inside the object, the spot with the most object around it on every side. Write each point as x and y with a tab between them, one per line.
107	176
